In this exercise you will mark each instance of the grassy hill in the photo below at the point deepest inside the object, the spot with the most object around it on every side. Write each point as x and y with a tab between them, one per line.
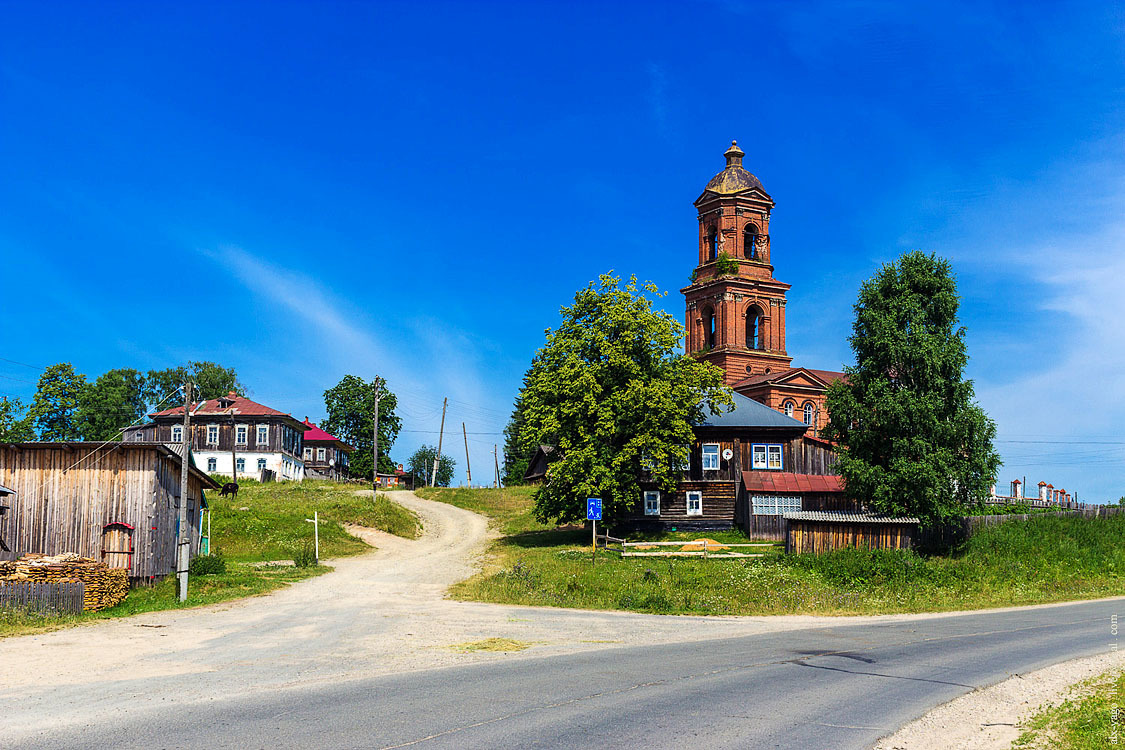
1046	559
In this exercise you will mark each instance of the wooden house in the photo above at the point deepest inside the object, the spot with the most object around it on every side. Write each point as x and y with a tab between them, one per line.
399	480
537	467
824	531
325	455
117	502
749	467
232	433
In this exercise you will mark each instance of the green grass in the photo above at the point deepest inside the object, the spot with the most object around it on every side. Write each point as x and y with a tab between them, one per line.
1045	559
272	529
1089	721
274	526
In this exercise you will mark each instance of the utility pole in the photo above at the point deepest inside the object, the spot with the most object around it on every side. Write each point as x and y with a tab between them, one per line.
183	535
468	467
375	444
441	433
496	463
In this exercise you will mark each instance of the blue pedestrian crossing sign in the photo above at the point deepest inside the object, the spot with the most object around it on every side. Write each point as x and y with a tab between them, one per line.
593	509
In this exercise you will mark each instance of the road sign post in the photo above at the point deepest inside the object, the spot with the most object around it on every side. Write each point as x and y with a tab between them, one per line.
594	514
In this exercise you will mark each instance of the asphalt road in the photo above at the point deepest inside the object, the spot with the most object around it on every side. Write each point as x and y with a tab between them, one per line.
835	687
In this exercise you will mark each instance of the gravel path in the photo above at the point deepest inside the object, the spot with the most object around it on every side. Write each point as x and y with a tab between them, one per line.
376	614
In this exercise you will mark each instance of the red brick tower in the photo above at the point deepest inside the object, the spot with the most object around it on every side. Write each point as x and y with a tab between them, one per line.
735	307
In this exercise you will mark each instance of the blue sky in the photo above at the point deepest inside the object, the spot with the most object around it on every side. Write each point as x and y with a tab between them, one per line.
306	190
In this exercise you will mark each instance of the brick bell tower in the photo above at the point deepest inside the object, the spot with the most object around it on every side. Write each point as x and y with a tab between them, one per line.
735	307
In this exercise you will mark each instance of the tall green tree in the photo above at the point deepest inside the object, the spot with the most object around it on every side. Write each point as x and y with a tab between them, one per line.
111	403
210	380
350	405
610	390
421	465
15	423
912	439
54	409
517	454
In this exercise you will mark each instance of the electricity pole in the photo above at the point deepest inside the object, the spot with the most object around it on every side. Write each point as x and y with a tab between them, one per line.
468	467
441	433
375	444
496	462
183	535
233	441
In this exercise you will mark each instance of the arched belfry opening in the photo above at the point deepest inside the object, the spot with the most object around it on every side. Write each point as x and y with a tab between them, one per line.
709	328
712	243
750	242
755	333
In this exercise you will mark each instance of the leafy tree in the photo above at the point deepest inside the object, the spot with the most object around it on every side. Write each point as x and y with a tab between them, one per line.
610	390
350	405
15	425
54	409
111	403
210	380
421	465
912	439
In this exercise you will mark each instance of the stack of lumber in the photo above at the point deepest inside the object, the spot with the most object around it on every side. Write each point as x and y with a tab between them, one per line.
105	586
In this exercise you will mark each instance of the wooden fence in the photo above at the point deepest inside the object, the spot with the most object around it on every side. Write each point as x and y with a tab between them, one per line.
41	597
959	529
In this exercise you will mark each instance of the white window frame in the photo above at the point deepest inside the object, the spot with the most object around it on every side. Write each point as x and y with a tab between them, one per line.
766	457
775	505
705	455
177	433
809	411
321	454
240	465
694	503
308	454
260	440
212	434
789	406
261	464
242	431
212	464
652	503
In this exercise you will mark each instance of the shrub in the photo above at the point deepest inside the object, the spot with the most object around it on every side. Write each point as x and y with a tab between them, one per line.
305	556
726	265
207	565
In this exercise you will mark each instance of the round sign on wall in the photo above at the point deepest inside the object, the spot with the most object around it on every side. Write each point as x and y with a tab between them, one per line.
727	454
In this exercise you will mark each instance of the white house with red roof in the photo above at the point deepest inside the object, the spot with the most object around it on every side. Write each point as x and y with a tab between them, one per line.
325	455
232	433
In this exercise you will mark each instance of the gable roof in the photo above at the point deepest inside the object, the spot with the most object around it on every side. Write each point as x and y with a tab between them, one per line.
778	481
824	378
749	413
314	433
170	450
225	406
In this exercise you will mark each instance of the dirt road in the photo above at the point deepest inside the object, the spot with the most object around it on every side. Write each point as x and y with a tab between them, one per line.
378	613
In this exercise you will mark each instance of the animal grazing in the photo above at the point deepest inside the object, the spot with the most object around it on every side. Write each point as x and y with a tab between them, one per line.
230	488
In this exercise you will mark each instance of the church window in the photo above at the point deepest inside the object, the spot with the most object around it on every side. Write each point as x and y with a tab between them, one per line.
712	244
754	328
809	412
750	242
709	328
789	405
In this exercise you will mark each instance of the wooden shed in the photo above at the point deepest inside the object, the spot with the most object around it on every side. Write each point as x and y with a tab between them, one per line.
116	502
819	531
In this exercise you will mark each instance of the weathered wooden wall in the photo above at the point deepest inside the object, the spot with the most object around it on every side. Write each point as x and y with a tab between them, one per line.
824	536
959	529
67	494
718	508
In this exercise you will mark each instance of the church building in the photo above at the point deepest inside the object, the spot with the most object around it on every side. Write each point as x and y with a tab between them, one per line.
736	308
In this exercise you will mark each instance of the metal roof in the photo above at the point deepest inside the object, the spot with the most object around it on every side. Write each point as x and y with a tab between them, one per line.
6	491
845	517
750	413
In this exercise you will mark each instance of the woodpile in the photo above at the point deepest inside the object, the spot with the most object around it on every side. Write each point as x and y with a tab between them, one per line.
105	586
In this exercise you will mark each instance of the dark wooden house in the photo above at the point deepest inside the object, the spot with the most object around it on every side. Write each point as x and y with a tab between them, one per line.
749	467
117	502
326	456
537	468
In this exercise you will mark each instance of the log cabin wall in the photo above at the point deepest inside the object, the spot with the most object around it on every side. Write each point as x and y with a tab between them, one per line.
718	505
66	494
